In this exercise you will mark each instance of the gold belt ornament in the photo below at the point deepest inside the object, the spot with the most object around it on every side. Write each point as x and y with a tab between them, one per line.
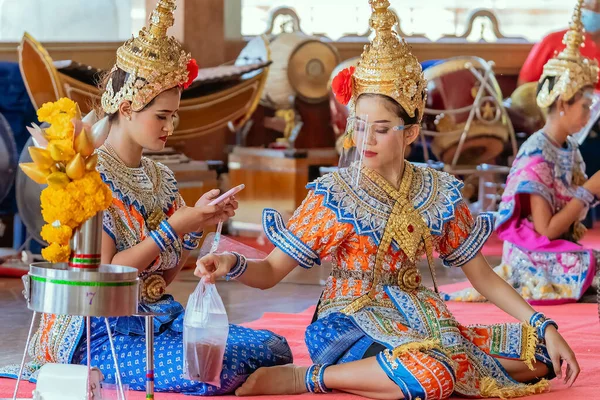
409	278
153	289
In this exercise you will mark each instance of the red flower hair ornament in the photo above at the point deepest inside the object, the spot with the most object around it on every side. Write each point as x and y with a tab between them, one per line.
342	85
192	67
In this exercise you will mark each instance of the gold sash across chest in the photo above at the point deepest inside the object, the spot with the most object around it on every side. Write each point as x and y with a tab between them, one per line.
408	229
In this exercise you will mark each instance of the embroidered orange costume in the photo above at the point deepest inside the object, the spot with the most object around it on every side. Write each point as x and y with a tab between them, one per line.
375	235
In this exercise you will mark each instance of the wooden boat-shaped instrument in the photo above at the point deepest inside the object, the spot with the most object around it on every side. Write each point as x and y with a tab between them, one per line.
224	96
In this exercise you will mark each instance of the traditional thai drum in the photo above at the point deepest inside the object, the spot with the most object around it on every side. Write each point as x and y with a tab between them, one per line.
301	67
464	104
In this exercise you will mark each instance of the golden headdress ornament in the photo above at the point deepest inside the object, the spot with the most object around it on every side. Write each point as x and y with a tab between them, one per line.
153	61
571	70
386	67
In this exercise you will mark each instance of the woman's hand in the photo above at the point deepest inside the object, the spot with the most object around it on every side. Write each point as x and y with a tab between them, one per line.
227	208
193	219
213	266
559	349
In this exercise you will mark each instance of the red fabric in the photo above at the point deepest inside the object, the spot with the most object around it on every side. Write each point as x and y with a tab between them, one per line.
9	272
578	323
545	50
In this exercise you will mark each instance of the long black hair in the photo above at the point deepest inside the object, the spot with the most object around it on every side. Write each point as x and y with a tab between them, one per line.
393	106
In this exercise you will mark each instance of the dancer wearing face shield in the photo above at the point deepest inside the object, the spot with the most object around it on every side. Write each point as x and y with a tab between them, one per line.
378	331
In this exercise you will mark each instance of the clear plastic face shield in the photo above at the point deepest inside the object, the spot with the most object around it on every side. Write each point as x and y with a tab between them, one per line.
375	142
591	98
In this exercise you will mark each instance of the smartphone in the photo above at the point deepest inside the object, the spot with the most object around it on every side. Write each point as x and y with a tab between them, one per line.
227	195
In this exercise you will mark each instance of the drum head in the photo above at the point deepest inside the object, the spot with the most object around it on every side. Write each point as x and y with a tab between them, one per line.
309	69
465	98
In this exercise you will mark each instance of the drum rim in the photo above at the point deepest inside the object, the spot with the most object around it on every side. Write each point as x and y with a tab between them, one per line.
450	65
443	67
490	153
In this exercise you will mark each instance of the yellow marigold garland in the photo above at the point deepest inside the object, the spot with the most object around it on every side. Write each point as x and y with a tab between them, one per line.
56	253
75	189
60	234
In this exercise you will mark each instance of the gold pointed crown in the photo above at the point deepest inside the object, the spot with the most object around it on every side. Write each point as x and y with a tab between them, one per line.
387	65
153	61
571	70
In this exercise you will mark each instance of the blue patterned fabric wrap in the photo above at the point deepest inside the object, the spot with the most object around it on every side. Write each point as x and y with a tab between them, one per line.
246	351
338	338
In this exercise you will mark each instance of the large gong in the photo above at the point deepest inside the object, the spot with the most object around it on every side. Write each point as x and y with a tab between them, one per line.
301	67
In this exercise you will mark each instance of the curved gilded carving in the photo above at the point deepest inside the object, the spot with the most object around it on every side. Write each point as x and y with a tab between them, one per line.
228	99
80	92
39	74
283	11
262	41
473	16
489	15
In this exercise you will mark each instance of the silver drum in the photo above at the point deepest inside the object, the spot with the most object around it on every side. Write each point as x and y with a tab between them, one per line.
109	291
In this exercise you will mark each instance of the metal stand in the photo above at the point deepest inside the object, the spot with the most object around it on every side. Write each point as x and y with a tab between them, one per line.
52	288
149	322
24	356
114	355
88	342
89	394
149	356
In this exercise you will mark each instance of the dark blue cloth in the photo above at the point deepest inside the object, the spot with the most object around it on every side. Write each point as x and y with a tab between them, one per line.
16	107
246	351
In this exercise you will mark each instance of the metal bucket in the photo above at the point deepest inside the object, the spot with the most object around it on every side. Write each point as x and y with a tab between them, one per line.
109	291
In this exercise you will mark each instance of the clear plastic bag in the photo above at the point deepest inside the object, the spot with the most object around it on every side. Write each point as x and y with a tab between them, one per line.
205	331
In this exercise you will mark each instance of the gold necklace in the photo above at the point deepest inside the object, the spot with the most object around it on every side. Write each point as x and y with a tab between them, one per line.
111	150
157	215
